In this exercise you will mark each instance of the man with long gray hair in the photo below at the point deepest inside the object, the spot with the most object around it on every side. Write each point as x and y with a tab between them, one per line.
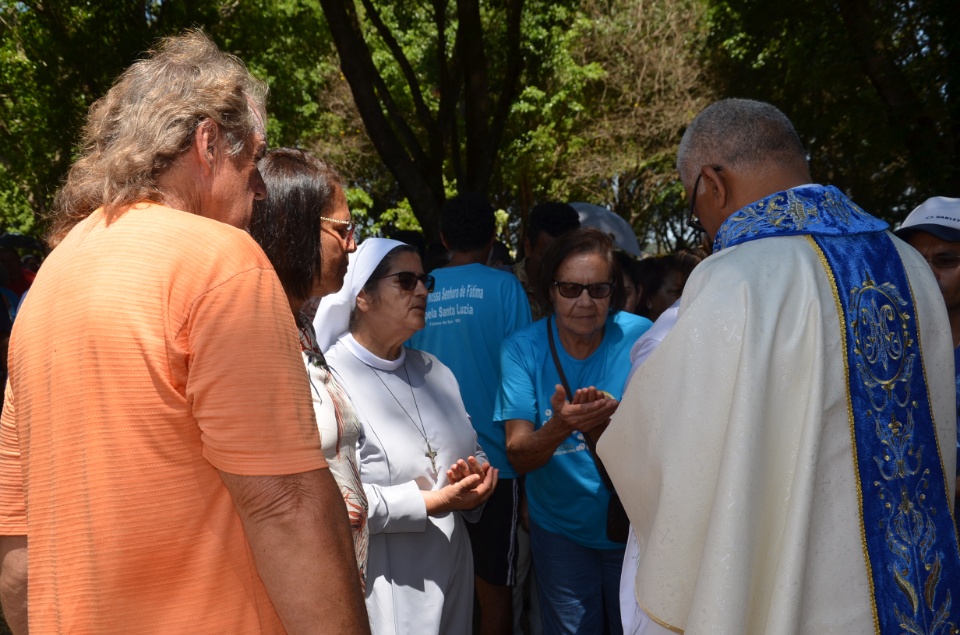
160	465
779	454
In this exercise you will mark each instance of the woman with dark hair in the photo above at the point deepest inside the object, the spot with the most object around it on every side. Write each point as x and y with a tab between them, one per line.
631	287
562	377
420	567
304	227
661	280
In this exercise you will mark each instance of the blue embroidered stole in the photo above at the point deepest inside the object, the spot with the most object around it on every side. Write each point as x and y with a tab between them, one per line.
909	536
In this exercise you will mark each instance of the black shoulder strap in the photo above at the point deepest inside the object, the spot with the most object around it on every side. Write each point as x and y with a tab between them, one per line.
556	359
591	445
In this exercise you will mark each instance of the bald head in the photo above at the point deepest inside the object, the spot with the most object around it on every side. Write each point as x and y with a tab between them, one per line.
743	135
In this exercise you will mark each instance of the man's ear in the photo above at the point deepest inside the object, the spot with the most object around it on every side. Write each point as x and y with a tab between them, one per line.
206	144
527	247
443	241
714	187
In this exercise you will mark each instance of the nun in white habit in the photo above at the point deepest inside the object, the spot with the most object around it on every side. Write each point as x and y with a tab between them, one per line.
422	469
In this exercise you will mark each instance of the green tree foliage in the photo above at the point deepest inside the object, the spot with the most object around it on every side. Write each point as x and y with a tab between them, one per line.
873	88
57	58
527	100
287	44
434	83
649	85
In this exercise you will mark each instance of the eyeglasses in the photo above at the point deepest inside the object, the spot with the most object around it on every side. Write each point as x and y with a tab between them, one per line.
945	261
597	290
351	227
694	221
408	280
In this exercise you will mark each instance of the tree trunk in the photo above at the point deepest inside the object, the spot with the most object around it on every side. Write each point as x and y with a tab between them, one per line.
418	174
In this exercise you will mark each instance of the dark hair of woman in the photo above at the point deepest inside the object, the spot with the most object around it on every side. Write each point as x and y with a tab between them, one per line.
688	259
628	264
652	273
586	240
300	189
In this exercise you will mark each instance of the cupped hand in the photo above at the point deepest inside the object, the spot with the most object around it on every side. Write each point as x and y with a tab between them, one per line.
589	409
467	493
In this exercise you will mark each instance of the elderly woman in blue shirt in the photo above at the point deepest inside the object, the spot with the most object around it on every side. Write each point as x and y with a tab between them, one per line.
577	564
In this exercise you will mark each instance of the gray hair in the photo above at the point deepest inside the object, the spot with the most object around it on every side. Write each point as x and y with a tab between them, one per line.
739	133
148	119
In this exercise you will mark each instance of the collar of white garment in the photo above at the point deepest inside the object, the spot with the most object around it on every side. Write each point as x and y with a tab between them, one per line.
369	358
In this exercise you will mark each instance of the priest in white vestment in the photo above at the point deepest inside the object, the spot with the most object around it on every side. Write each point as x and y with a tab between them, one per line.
811	348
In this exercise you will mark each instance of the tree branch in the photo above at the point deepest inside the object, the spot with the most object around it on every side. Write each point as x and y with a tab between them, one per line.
423	113
369	89
473	61
408	163
449	87
449	92
511	83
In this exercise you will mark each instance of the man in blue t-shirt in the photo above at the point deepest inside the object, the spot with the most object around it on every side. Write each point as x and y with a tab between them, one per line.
933	229
472	310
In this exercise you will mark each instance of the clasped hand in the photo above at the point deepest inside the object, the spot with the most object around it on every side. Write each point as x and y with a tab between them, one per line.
471	484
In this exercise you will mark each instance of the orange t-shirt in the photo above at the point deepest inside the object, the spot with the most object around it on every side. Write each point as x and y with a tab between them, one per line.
151	352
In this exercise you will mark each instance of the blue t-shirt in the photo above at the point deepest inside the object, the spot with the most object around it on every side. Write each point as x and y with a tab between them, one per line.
472	310
566	496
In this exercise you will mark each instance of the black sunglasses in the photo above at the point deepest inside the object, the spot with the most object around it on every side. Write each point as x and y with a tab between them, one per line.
597	290
693	222
408	280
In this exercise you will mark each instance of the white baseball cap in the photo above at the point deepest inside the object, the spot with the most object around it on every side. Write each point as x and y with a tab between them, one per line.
939	216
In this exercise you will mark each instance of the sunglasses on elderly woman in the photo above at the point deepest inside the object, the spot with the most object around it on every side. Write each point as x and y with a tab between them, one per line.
408	280
597	290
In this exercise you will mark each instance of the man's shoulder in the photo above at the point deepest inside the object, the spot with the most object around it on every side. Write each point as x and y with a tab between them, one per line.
189	242
190	256
200	234
479	290
153	226
760	279
755	259
477	274
150	237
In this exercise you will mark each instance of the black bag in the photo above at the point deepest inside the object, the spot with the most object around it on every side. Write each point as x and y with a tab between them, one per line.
618	524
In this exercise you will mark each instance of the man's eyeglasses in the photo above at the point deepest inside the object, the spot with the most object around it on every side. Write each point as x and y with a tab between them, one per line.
693	222
408	280
597	290
945	261
351	227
